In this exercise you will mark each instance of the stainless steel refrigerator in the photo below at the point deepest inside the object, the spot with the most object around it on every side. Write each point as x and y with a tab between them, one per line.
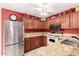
13	38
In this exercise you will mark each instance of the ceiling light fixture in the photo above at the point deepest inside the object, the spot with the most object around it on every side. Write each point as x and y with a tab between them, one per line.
43	10
43	19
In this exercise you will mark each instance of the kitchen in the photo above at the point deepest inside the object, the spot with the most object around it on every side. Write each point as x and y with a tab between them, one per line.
44	29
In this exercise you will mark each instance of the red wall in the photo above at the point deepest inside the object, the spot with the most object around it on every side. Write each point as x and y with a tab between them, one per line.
71	31
6	13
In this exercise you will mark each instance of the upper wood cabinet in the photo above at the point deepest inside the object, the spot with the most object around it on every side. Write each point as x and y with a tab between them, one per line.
52	21
40	25
57	20
31	23
36	23
68	21
65	21
48	22
26	22
43	25
74	20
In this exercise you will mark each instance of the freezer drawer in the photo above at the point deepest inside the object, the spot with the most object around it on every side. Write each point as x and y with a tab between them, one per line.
14	50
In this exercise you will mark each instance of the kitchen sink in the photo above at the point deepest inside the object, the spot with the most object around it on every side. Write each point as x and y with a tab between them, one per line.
71	42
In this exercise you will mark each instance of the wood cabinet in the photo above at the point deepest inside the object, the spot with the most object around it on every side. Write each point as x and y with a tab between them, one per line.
31	24
36	22
49	22
34	42
39	41
52	21
65	21
44	40
74	19
46	24
40	25
27	46
43	25
68	21
26	22
57	20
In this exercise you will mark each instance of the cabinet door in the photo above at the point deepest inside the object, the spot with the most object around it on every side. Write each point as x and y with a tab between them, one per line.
74	19
44	40
27	44
52	21
26	22
40	41
77	20
31	24
36	24
41	25
49	22
65	21
57	20
37	41
33	42
46	24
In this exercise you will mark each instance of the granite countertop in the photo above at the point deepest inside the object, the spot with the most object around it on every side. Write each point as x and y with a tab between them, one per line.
26	35
58	49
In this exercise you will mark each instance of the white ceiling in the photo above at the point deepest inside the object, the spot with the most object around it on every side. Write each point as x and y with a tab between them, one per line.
42	10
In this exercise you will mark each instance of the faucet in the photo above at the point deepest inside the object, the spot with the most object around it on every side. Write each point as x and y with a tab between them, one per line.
75	37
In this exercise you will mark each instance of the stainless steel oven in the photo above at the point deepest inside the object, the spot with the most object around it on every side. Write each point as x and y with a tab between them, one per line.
54	37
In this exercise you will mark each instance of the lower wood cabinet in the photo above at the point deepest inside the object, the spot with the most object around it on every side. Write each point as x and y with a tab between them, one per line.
37	42
44	41
27	44
34	42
